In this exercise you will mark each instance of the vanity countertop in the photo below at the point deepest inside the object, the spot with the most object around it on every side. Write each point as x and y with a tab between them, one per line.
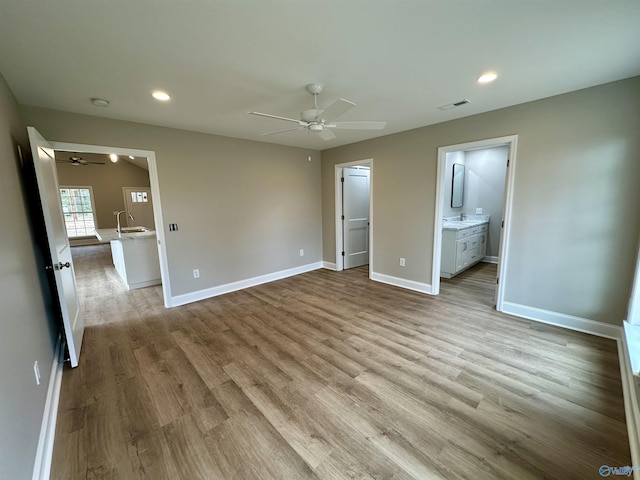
105	235
454	223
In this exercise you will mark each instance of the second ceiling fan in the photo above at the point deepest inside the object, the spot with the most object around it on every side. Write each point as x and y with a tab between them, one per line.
320	120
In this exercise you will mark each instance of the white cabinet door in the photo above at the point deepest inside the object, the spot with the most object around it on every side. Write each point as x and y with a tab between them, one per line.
462	253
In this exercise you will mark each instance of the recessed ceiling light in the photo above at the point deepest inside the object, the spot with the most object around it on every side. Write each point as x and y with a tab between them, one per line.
131	157
100	102
160	95
487	77
113	157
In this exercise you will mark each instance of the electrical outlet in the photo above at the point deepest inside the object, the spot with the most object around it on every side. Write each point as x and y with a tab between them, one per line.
36	370
402	262
196	273
301	252
478	211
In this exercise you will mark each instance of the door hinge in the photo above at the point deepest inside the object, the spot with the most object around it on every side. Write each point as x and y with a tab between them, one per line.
343	254
342	217
502	223
508	160
342	179
497	281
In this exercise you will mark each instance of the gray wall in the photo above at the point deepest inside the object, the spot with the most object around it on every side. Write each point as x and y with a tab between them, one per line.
106	182
485	176
575	226
243	208
27	331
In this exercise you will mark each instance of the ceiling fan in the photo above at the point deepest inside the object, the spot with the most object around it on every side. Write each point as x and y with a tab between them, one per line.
76	160
320	120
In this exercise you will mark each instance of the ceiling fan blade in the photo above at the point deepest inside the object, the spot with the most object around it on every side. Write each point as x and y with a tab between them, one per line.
281	131
268	115
93	163
358	125
337	108
326	134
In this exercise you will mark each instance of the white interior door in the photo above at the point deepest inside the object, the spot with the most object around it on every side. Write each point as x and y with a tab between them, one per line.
62	263
137	201
355	208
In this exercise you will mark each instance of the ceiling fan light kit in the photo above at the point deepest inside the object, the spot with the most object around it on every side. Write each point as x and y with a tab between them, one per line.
320	120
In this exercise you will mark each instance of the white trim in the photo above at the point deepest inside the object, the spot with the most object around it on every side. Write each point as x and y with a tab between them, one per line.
512	141
579	324
241	284
145	283
329	265
489	259
401	282
338	210
44	453
631	409
155	198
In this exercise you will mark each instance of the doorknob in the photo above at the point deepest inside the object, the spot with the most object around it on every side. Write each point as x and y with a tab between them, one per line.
61	265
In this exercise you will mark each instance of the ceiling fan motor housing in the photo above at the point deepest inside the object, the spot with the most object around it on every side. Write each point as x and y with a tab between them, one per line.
315	127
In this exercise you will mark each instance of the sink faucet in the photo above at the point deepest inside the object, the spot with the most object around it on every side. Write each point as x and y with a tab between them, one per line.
118	215
462	217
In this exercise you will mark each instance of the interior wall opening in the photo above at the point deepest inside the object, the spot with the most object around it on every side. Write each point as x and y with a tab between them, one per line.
474	198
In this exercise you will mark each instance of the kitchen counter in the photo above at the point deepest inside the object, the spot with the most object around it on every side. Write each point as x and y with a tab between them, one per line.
105	235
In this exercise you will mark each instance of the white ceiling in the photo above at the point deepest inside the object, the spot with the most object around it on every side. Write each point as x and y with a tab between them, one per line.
398	60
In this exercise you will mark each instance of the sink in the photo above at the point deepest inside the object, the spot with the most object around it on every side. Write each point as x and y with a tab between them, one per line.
134	229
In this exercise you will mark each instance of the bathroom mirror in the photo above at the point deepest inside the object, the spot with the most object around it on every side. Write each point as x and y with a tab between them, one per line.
457	185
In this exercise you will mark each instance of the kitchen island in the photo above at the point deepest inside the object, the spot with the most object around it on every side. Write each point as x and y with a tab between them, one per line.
135	255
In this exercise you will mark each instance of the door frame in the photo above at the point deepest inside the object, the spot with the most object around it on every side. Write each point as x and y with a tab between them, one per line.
150	155
512	142
338	211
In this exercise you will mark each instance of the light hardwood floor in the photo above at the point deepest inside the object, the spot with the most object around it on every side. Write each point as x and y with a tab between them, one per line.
329	375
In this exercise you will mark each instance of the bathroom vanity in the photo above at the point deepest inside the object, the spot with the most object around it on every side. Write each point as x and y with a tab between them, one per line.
135	255
464	243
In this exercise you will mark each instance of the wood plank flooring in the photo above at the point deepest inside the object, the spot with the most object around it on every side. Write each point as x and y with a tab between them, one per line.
328	375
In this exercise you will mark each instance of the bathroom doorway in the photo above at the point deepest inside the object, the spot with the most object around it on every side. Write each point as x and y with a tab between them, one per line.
481	212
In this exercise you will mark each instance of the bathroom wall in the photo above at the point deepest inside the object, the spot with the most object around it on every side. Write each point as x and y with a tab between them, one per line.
485	176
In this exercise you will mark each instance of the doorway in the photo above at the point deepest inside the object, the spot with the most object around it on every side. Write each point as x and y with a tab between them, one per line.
497	228
353	214
149	161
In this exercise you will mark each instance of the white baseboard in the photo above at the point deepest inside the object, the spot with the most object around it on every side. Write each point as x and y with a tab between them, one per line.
402	282
329	265
146	283
489	259
631	408
42	465
241	284
584	325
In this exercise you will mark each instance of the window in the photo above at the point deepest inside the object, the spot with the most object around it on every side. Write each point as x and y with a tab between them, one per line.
78	211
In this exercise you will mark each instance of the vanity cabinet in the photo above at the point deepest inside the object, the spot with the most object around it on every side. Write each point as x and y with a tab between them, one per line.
462	248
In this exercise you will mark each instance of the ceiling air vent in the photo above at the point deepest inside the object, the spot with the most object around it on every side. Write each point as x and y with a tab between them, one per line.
454	104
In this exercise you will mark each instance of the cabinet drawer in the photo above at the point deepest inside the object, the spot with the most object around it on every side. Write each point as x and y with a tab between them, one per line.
484	228
464	233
